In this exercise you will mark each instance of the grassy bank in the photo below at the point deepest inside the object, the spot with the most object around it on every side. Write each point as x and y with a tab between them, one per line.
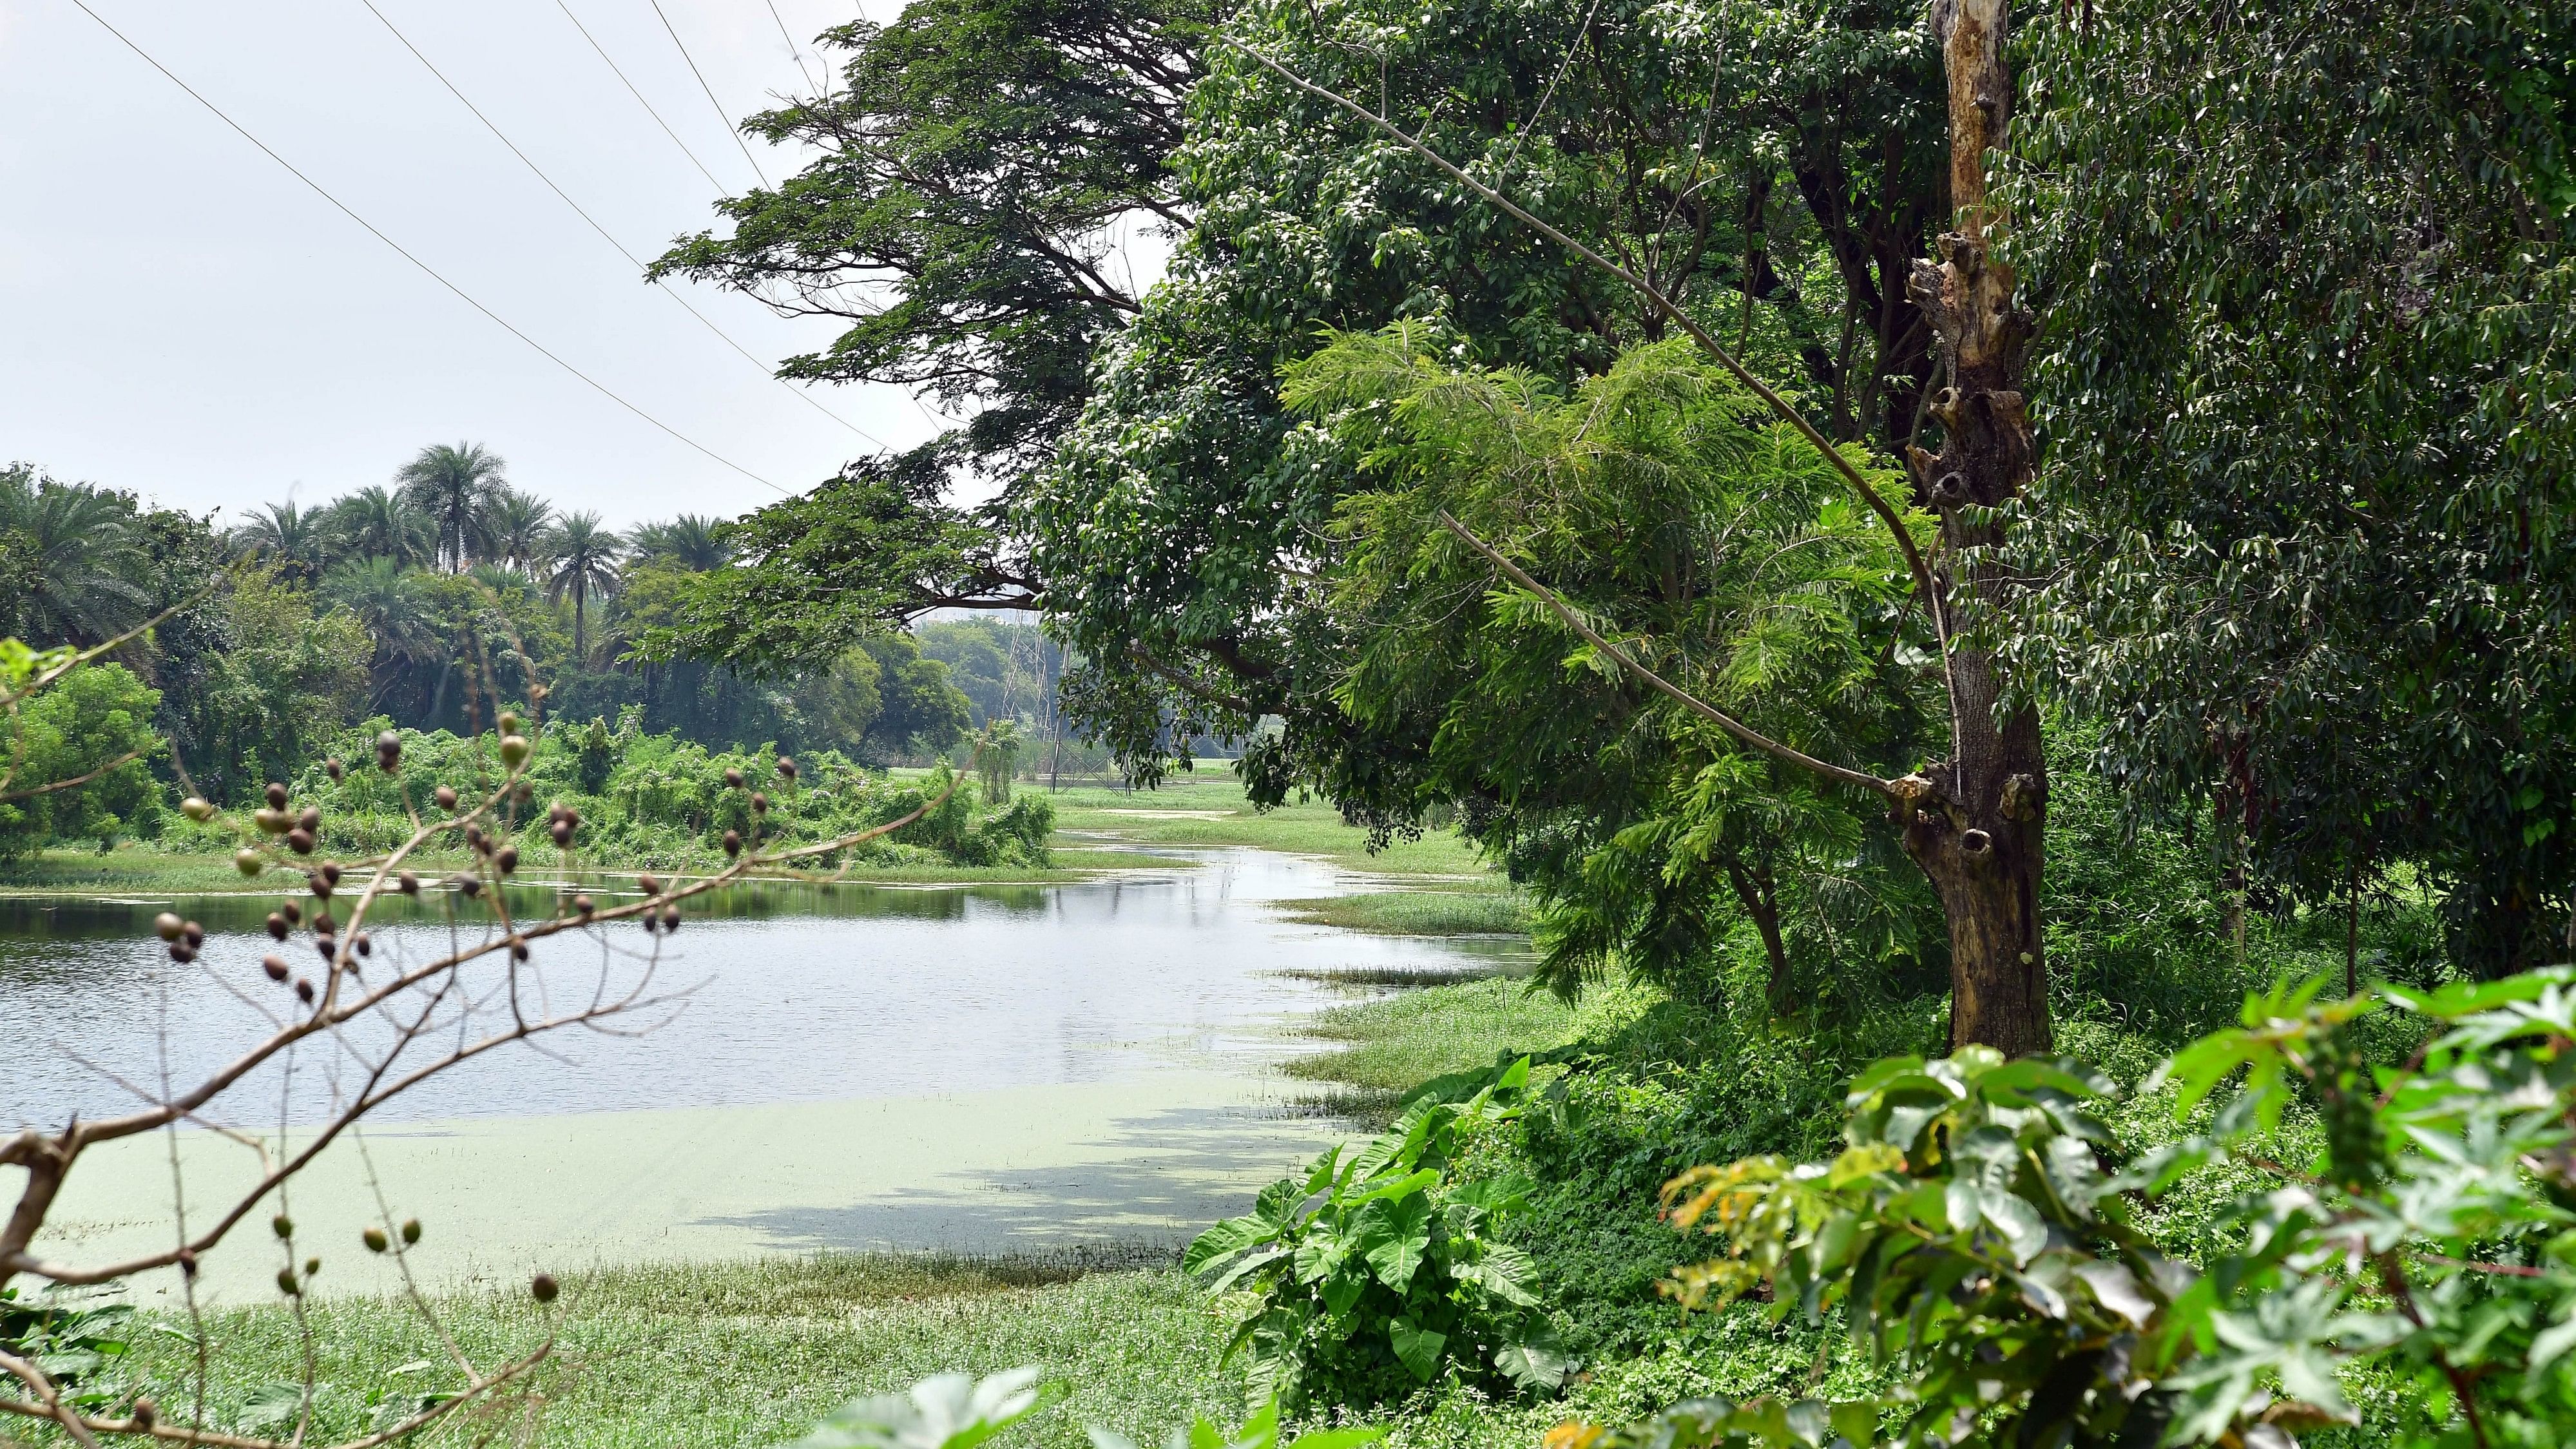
1209	809
1093	827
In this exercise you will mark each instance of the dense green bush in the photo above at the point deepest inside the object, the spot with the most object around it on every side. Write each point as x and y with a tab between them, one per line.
1384	1270
658	800
97	721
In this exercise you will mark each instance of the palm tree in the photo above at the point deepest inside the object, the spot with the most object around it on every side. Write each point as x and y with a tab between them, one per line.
690	541
583	556
457	487
286	534
518	527
379	590
73	558
375	522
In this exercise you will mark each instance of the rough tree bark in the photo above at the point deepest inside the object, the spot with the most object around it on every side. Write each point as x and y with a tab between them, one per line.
1974	822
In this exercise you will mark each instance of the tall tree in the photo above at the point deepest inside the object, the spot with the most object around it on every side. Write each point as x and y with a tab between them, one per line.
297	539
379	522
974	173
457	486
2309	432
72	560
581	560
519	524
693	542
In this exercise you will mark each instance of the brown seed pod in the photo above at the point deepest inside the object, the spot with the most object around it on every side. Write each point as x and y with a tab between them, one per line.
670	919
786	767
518	949
193	934
733	843
411	1230
323	923
388	752
197	809
649	884
187	1262
362	945
474	836
319	883
182	952
543	1288
445	795
733	777
514	750
304	989
375	1240
282	1225
286	1282
271	821
523	792
311	819
331	872
145	1414
759	803
167	926
508	723
468	885
277	927
292	911
407	883
333	768
275	966
327	946
561	830
276	794
507	859
300	840
582	906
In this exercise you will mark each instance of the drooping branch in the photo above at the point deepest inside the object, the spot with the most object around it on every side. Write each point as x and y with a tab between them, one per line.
1743	733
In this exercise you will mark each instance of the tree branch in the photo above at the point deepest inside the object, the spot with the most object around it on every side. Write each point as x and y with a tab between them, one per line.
1654	297
1744	734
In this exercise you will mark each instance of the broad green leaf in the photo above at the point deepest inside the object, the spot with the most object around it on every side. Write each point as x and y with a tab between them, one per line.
948	1411
1416	1347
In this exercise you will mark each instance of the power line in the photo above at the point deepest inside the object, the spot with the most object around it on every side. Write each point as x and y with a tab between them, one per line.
433	273
792	48
721	188
608	237
725	120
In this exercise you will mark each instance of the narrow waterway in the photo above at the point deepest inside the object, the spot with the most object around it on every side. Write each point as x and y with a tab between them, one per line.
976	1068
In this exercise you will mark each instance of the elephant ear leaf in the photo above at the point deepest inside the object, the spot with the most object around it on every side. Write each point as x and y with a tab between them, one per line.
1402	1234
1535	1363
1416	1347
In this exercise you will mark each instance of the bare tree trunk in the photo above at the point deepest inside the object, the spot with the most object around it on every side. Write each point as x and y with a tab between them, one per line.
1975	822
1758	893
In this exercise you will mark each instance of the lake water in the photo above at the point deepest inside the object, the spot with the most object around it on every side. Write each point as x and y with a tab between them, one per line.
847	1066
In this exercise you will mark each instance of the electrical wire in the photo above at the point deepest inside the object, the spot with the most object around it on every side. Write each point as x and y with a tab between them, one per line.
792	47
721	117
432	272
605	235
721	188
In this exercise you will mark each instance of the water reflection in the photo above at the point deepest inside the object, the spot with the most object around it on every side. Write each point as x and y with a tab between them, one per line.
792	992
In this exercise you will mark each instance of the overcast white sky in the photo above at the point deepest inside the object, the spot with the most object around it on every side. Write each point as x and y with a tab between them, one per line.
181	317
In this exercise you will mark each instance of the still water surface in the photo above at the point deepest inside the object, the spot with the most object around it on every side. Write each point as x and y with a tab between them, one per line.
780	993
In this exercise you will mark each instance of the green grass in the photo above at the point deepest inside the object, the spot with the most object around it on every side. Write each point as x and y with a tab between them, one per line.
749	1353
1465	912
1391	1045
1211	810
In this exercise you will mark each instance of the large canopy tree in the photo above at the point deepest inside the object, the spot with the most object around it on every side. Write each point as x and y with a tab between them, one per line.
2309	420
